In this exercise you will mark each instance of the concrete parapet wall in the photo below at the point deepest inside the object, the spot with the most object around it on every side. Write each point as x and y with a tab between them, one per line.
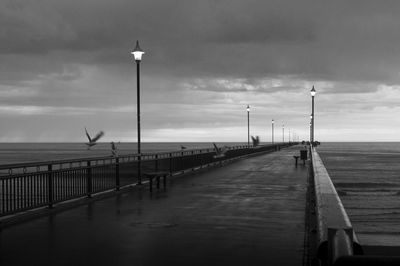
329	210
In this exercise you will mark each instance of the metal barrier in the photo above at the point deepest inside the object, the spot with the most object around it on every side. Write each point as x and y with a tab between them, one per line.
33	185
336	237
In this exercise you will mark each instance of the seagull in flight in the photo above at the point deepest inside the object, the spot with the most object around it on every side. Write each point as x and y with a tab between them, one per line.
93	141
219	152
256	140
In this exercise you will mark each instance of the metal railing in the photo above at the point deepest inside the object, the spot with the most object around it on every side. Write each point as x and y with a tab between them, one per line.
33	185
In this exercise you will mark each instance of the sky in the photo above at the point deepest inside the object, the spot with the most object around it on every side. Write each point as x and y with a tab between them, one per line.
66	65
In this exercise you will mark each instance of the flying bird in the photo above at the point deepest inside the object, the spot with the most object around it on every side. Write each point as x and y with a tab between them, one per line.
219	152
93	141
256	140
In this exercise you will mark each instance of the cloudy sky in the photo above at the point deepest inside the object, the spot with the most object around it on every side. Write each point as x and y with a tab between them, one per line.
66	64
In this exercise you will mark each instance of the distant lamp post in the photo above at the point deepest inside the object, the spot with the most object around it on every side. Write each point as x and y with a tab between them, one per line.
311	128
273	131
283	133
313	92
248	126
137	54
289	135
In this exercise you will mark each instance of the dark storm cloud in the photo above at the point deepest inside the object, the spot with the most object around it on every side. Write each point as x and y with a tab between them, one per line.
338	40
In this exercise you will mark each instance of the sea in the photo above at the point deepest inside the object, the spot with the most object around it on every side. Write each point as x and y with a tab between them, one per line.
367	178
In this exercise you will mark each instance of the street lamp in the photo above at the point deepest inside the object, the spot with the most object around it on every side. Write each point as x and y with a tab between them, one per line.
248	126
313	92
273	131
283	133
137	54
311	128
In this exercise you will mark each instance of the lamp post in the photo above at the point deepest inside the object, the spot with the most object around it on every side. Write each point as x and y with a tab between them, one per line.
283	133
313	92
248	126
289	135
273	131
311	116
137	54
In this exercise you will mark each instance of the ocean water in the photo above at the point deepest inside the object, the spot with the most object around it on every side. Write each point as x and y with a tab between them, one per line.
33	152
367	178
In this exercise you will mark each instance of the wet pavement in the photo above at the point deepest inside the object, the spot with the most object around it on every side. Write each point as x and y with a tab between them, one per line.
250	212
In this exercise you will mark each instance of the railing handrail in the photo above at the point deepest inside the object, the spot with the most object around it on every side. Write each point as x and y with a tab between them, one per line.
331	216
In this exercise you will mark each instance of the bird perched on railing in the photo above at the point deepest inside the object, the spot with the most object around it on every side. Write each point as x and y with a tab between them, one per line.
114	151
219	152
93	141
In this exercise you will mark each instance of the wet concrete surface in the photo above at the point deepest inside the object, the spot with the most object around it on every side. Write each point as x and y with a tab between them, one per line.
250	212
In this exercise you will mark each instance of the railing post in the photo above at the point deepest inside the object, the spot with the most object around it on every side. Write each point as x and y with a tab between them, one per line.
117	180
89	180
170	164
156	163
201	158
3	201
139	169
50	185
191	161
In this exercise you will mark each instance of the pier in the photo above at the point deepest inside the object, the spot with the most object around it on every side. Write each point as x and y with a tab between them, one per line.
250	212
254	207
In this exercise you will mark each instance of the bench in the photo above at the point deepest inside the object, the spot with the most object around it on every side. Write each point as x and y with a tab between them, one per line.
157	175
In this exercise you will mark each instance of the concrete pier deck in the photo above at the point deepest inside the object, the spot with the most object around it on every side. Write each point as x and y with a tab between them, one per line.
250	212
